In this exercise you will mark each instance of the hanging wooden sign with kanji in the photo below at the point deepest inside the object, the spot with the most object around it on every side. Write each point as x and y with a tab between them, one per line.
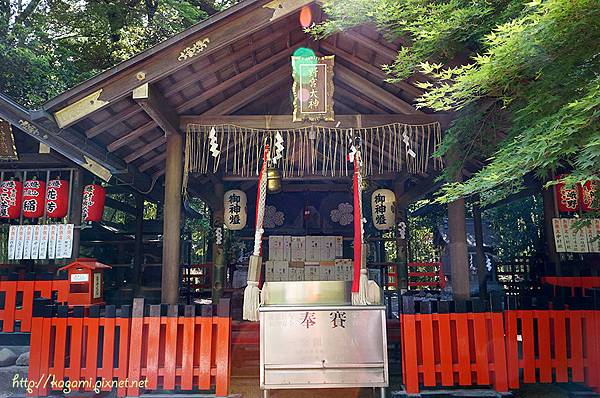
313	88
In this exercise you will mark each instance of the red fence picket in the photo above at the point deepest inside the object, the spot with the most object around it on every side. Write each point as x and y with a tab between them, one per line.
553	346
21	310
160	351
451	349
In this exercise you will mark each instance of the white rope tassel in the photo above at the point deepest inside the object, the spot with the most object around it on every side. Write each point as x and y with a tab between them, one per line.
251	302
361	298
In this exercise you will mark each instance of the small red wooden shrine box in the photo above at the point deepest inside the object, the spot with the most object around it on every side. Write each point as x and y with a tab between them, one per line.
86	285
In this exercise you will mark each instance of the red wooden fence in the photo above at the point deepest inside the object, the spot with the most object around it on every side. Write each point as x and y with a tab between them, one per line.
545	346
155	349
581	283
450	349
502	349
18	300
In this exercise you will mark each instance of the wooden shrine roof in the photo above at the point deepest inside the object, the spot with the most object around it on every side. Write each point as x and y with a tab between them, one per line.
235	63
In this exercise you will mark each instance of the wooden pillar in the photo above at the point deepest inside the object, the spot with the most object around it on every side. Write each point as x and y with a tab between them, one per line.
401	241
138	246
480	254
550	213
457	234
172	220
75	209
218	253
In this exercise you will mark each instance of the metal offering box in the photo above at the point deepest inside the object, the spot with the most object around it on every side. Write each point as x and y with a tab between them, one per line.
313	345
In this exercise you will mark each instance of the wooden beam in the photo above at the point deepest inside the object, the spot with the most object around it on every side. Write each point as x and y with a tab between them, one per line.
371	44
339	90
145	149
159	110
112	121
239	78
367	67
373	91
176	53
132	135
153	162
254	91
285	121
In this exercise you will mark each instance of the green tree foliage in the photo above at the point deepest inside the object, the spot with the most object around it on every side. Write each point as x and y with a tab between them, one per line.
48	46
526	93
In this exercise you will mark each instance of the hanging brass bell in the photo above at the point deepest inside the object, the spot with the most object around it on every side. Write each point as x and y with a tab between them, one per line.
273	180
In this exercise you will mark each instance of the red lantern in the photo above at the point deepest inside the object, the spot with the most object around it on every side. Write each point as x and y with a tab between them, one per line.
33	198
588	193
567	198
93	202
57	198
11	195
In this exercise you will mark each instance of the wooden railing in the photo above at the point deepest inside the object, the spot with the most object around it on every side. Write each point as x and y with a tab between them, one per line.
16	300
131	349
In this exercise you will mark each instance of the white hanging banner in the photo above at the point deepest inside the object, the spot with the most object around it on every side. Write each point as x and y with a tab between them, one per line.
235	210
567	234
68	240
20	242
60	241
52	232
35	242
382	209
579	237
12	241
27	243
43	249
559	240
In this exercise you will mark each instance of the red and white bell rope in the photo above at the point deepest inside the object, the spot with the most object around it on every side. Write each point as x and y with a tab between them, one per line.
252	292
360	280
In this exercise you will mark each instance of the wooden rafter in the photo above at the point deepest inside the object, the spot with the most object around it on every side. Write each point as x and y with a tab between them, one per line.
153	162
240	77
112	121
373	91
371	44
132	135
367	67
153	103
138	153
222	63
256	90
341	91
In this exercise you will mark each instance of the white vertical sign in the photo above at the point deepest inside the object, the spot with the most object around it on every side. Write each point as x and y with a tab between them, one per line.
19	243
52	241
567	235
43	249
12	241
68	240
35	242
593	244
580	234
60	241
559	241
27	243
